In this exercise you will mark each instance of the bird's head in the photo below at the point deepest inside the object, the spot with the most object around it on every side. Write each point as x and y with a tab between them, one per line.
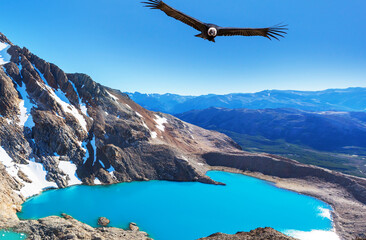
212	32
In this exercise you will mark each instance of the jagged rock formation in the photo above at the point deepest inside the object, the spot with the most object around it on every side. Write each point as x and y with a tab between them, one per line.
257	234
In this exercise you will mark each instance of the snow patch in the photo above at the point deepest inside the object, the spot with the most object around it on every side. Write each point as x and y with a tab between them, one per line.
35	172
83	107
160	122
325	213
86	152
67	107
184	158
144	124
112	96
138	114
4	55
8	163
70	169
313	235
97	181
25	106
154	134
63	101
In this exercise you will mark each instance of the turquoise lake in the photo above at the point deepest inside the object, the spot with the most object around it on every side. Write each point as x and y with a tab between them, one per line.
184	211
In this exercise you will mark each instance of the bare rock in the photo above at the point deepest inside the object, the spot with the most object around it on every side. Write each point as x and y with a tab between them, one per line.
64	215
24	177
133	227
102	221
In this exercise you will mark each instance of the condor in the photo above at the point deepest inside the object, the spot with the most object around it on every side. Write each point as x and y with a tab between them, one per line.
211	31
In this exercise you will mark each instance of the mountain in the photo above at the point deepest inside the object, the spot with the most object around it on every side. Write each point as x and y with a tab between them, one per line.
350	99
310	137
59	129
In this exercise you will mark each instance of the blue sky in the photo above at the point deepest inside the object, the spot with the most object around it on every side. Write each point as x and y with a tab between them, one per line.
125	46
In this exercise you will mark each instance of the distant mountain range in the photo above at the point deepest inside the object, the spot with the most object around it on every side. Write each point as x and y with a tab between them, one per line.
350	99
336	140
326	131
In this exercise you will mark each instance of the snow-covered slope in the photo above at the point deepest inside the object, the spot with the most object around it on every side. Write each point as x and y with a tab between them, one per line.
4	56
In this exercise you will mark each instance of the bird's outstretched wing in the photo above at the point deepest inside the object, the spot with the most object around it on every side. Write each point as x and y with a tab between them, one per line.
171	12
271	32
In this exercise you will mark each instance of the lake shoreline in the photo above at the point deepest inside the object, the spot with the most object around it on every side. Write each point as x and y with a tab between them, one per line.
345	210
26	223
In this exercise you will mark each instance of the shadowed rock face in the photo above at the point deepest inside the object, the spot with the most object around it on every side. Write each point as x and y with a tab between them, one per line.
257	234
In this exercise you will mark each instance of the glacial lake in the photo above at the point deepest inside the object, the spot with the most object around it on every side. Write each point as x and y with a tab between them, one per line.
184	211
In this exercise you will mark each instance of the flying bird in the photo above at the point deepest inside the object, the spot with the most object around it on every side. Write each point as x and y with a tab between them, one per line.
211	31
